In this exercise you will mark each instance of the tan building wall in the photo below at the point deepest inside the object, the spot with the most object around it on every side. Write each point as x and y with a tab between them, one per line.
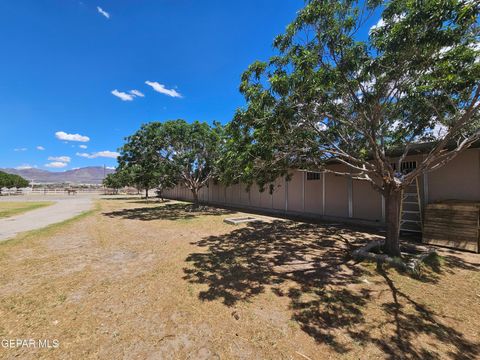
459	179
279	195
314	195
295	191
366	202
336	194
333	196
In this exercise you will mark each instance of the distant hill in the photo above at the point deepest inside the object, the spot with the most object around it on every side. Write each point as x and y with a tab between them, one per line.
86	175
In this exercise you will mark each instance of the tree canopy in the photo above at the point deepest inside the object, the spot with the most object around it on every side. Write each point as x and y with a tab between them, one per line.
332	94
140	161
164	154
12	181
118	179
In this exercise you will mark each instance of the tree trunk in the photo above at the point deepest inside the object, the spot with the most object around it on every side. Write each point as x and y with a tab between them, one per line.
196	203
146	193
392	207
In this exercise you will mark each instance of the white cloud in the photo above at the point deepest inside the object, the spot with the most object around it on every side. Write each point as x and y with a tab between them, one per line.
444	50
82	146
439	131
56	164
85	155
20	149
105	154
338	101
110	167
41	148
24	167
378	25
71	137
162	89
122	95
103	12
60	158
320	126
137	93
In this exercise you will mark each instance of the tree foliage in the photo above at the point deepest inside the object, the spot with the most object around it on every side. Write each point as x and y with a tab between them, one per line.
140	161
193	151
118	180
12	181
333	93
164	154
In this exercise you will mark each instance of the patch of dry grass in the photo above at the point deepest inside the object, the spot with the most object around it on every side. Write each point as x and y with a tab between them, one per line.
12	208
149	280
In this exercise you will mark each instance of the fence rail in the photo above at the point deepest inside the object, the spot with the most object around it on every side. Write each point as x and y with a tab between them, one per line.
49	191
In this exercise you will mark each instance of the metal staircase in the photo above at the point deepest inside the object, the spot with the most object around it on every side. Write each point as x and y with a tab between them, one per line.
411	209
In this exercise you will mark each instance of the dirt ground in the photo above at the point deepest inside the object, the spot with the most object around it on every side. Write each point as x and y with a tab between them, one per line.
138	280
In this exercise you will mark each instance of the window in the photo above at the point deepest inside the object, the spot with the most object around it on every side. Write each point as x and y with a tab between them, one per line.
313	176
406	167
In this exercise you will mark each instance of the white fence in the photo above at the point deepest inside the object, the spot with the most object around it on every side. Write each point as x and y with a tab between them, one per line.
27	191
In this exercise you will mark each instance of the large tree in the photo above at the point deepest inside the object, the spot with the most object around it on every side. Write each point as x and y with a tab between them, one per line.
164	154
193	150
334	91
141	158
12	181
119	179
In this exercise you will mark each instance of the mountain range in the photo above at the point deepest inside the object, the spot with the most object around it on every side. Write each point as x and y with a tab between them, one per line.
86	175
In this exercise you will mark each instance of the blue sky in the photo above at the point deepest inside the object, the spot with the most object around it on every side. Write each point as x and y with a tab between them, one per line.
61	59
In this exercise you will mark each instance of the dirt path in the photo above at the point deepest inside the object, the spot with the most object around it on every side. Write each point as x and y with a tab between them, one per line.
64	209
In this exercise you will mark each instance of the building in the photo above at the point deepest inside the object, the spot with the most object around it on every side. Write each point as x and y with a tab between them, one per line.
333	197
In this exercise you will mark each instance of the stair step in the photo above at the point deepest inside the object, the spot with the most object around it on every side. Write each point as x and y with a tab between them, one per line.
411	230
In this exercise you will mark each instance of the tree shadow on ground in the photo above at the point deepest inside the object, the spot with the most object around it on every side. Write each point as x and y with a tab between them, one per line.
411	324
435	267
311	265
121	198
166	212
151	201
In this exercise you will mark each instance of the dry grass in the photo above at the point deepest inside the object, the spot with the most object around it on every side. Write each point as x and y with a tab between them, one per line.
8	209
149	280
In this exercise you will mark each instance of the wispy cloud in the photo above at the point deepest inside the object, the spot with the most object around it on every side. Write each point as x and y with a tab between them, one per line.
41	148
163	90
380	24
56	164
20	149
82	146
122	95
103	12
135	92
104	154
71	137
60	158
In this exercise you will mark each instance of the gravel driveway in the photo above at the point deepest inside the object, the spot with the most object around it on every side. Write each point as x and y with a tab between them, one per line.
65	207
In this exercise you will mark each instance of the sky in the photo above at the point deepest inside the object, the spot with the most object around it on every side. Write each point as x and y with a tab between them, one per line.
77	77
